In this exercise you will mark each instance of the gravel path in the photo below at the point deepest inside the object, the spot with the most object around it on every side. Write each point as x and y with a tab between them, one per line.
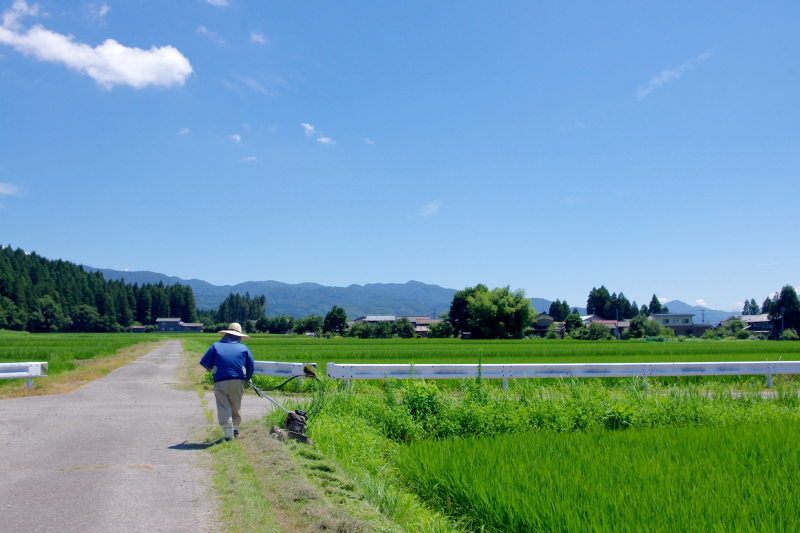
109	457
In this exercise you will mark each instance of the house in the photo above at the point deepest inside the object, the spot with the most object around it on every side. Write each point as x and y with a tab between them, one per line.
175	324
616	326
754	323
681	324
421	323
137	329
542	323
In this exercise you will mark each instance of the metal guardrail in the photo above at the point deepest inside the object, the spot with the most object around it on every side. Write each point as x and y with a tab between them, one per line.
23	370
588	370
286	370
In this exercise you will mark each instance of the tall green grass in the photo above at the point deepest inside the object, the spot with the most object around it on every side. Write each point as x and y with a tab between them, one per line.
735	478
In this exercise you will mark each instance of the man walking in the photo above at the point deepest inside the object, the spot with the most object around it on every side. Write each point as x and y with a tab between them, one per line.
232	364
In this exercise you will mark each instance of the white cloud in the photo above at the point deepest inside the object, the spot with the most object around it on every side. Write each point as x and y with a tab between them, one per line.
236	137
309	129
737	305
258	37
368	141
246	126
183	131
9	189
248	158
272	128
108	64
98	14
126	269
663	300
701	302
202	30
325	140
579	125
253	84
428	210
670	75
573	200
218	3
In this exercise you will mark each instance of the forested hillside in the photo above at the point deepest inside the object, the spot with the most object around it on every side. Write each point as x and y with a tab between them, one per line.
40	295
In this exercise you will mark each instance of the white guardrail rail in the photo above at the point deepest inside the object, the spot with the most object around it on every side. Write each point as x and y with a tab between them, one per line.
23	370
286	370
588	370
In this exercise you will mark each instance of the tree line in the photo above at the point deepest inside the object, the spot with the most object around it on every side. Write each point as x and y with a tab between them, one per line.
42	295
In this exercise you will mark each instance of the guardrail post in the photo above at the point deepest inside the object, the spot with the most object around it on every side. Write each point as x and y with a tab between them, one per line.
299	382
29	381
347	383
769	381
505	383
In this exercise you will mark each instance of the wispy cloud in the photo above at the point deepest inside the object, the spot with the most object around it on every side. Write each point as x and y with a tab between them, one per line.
308	128
579	125
202	30
573	200
246	126
325	140
183	131
218	3
663	300
766	264
737	305
98	14
248	158
428	210
108	64
368	141
258	37
236	137
670	75
9	189
253	84
701	302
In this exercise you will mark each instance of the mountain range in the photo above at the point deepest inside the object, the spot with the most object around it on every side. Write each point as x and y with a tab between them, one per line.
303	299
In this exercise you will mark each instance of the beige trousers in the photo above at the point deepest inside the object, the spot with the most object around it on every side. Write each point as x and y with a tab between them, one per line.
229	401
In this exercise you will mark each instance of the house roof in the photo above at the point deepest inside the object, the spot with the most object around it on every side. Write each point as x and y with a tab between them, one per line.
377	318
168	319
748	319
672	314
191	324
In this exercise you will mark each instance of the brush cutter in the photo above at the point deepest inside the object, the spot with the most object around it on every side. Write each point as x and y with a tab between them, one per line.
295	424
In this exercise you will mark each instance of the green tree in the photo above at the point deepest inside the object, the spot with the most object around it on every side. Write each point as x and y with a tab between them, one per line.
655	306
498	314
459	313
403	328
85	318
442	330
48	316
573	322
597	301
598	332
335	320
311	323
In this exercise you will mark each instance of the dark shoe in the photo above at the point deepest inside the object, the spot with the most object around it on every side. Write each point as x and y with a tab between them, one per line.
235	433
227	439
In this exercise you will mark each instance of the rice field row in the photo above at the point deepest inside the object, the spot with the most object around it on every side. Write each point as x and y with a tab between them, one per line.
740	478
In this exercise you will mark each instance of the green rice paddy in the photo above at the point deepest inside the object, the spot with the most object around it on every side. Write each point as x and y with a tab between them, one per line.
741	478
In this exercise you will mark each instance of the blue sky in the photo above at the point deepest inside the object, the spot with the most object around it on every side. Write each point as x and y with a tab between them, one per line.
649	147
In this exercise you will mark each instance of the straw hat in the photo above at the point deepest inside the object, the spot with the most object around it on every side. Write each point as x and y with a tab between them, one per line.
234	329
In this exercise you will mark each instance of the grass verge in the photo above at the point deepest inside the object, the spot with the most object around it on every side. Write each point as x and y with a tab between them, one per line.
84	372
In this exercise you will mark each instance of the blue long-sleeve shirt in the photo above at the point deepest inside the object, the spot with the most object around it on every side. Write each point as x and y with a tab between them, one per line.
228	360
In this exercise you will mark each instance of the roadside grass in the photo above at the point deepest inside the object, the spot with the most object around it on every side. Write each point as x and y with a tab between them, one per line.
81	372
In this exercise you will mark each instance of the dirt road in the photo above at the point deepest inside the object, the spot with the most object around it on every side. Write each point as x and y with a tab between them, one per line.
109	457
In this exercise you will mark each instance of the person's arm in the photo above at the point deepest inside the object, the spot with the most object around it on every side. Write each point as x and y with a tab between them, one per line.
250	365
207	361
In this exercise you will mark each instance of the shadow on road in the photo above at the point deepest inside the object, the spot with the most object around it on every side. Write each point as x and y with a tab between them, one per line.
186	445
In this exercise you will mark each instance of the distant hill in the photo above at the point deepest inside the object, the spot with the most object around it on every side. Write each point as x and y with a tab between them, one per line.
711	316
303	299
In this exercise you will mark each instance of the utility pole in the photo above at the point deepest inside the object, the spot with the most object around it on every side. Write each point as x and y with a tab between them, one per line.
703	313
617	324
782	313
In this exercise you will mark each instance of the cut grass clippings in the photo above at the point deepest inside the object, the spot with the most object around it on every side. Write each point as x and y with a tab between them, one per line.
85	371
